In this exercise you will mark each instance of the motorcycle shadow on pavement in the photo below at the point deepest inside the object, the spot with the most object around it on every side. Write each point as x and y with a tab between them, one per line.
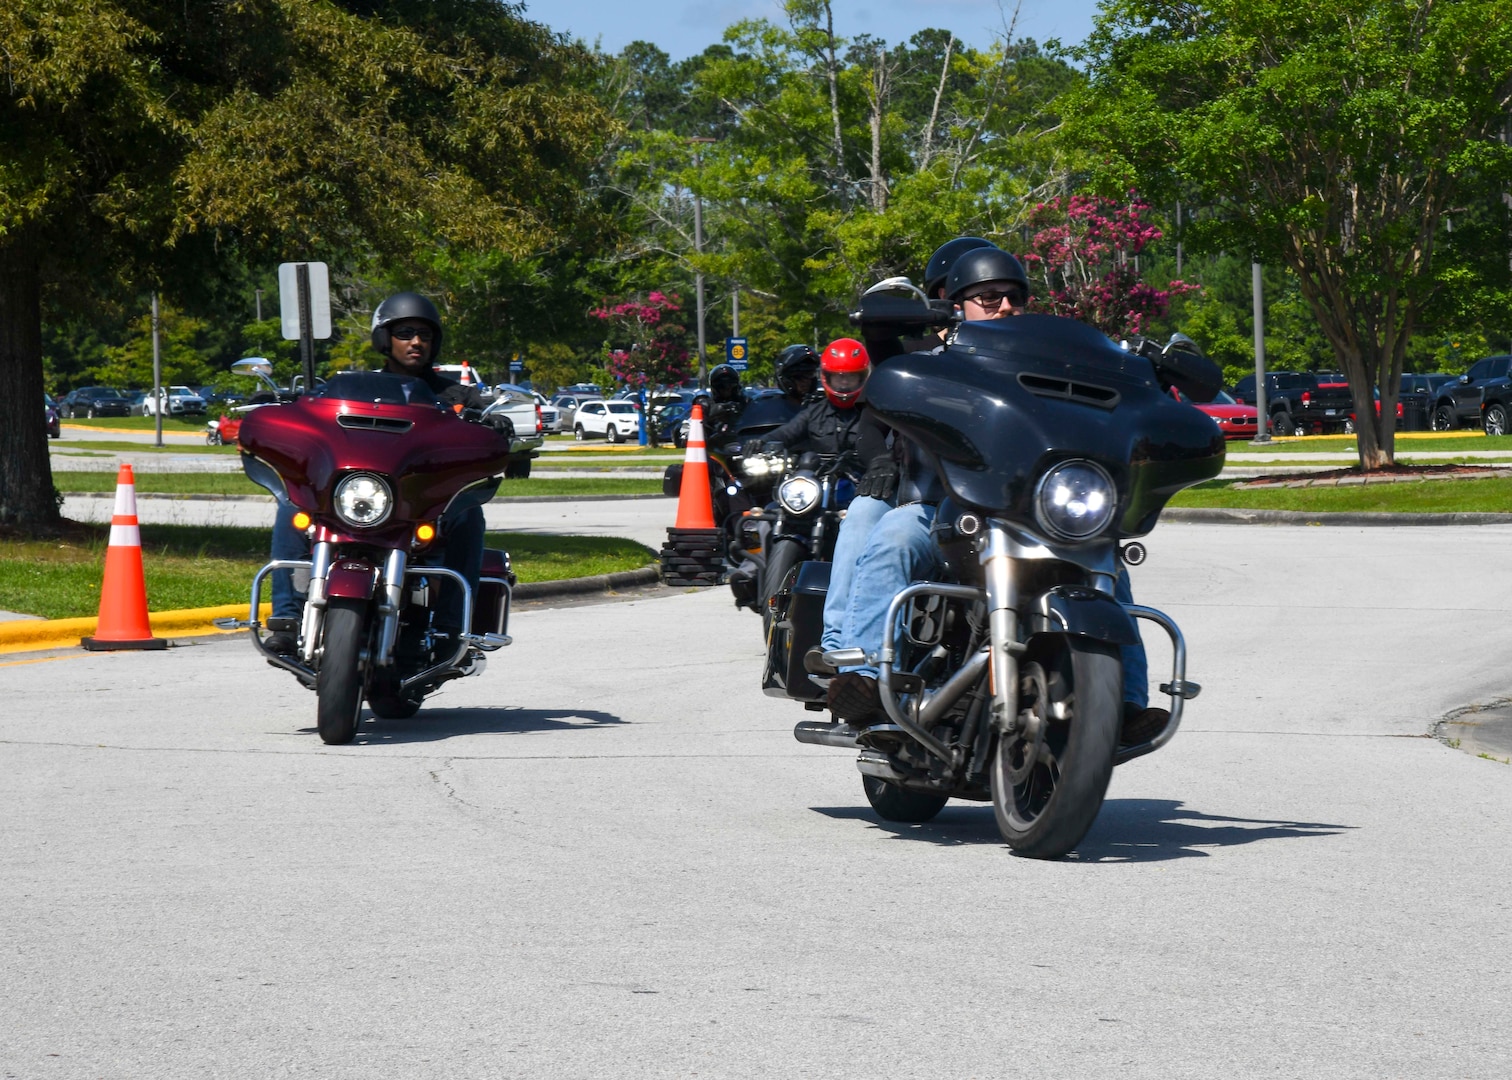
433	725
1126	830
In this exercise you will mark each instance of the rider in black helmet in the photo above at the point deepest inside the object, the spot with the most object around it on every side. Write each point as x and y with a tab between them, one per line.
937	269
407	332
796	368
991	273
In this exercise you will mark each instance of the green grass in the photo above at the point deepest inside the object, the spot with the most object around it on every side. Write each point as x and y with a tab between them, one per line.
193	566
1492	495
237	484
1345	444
139	423
123	446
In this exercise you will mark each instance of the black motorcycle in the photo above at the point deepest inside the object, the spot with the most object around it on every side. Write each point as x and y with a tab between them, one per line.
1003	682
800	524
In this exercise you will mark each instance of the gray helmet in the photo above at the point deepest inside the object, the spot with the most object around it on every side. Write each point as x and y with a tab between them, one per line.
980	266
937	269
400	306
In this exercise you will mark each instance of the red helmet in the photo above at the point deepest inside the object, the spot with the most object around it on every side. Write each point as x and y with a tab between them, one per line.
843	369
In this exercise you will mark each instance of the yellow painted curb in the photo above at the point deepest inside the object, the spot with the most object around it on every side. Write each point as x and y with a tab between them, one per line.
31	635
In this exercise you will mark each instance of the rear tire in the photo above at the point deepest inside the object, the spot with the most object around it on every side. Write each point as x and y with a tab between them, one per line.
1281	424
893	803
1496	420
338	685
1047	792
393	707
577	432
520	470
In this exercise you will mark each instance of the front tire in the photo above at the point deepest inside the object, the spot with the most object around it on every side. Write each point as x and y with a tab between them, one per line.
1496	420
91	413
1443	419
785	555
1281	424
338	685
577	432
894	803
1048	779
613	434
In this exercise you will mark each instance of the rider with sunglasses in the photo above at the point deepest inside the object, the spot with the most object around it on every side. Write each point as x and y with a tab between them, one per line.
407	333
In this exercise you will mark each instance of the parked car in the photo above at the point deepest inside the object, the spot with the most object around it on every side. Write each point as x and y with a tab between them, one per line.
1296	404
525	415
92	401
1462	401
612	420
1496	407
180	401
50	410
551	416
1236	421
567	404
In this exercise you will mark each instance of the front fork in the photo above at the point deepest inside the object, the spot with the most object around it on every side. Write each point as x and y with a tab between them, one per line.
1002	627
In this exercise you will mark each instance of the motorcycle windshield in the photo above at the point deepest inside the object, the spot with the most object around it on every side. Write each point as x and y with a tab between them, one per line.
383	424
1009	399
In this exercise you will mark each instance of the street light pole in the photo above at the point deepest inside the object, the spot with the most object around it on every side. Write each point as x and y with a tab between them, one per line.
157	376
1261	405
698	274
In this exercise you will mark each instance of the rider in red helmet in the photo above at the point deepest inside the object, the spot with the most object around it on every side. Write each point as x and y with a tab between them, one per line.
827	425
843	369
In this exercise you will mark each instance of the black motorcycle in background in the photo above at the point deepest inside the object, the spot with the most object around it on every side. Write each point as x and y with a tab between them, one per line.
800	524
1004	683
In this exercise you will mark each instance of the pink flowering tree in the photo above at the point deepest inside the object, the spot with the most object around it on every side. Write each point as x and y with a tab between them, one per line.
1084	263
647	342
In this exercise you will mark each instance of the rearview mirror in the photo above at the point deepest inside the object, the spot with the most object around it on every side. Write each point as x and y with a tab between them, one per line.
253	365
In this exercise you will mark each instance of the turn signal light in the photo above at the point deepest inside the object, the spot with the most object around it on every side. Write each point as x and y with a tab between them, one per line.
425	532
301	521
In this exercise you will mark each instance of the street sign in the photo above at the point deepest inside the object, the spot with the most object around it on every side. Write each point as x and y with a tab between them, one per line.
319	301
736	354
517	365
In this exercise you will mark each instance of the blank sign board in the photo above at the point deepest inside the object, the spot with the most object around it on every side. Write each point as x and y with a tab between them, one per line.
320	299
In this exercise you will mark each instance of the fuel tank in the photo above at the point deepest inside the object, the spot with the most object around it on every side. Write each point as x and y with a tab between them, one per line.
1008	399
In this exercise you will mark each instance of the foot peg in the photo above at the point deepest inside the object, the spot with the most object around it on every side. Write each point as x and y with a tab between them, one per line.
231	624
489	642
848	658
1182	688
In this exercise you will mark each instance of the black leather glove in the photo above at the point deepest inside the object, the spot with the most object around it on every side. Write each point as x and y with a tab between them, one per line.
881	479
751	448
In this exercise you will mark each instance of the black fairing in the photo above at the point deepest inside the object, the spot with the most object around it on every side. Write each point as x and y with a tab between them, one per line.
1010	398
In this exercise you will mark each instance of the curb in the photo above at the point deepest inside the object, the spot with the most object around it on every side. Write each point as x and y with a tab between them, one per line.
204	497
1225	516
34	635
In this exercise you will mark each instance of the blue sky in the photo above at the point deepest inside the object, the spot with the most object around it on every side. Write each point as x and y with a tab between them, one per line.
685	27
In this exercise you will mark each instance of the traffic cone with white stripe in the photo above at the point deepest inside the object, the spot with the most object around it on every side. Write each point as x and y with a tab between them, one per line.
694	551
123	595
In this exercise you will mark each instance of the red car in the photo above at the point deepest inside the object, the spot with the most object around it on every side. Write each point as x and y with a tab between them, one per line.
1236	421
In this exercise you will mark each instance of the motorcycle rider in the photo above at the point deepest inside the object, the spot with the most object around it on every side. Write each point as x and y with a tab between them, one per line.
987	284
829	424
726	403
407	332
794	372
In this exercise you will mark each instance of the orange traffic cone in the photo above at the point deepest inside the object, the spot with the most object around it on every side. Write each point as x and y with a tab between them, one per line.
468	378
123	595
695	506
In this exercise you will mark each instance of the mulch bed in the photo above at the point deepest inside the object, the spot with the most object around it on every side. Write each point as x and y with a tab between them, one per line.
1391	474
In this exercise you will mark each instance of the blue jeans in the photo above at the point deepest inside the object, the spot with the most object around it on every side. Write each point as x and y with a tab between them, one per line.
461	549
860	519
899	551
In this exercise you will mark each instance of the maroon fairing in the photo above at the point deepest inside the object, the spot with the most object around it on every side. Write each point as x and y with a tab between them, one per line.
311	448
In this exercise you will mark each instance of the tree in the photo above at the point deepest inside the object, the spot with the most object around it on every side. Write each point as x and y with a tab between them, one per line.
1085	252
161	144
1331	136
646	343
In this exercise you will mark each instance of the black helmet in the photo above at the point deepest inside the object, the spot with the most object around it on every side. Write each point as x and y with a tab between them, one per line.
724	383
937	269
983	265
405	305
793	363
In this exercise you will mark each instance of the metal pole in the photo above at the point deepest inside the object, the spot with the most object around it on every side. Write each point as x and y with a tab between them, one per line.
1262	435
157	375
259	304
306	338
698	285
1178	238
735	312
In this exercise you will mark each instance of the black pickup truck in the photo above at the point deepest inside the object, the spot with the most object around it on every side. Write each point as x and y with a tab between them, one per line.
1297	405
1465	400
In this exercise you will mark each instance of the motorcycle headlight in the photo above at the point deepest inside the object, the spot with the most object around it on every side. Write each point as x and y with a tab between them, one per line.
754	466
1075	500
798	494
363	500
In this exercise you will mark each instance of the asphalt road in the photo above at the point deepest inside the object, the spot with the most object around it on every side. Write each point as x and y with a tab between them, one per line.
608	857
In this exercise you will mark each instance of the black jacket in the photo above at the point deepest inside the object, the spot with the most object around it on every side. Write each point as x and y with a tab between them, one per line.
450	392
820	427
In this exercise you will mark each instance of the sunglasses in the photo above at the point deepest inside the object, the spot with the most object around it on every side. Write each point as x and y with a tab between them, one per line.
989	300
405	333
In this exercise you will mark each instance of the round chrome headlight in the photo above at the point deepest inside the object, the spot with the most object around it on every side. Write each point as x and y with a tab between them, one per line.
363	500
798	494
1075	500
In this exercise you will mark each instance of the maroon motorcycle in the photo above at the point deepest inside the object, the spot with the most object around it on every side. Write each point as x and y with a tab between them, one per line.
373	463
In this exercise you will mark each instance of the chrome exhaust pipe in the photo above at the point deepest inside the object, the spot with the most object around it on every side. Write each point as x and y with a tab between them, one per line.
823	733
873	763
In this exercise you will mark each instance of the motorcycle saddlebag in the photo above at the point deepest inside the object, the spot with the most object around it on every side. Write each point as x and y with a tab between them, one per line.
805	626
491	606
